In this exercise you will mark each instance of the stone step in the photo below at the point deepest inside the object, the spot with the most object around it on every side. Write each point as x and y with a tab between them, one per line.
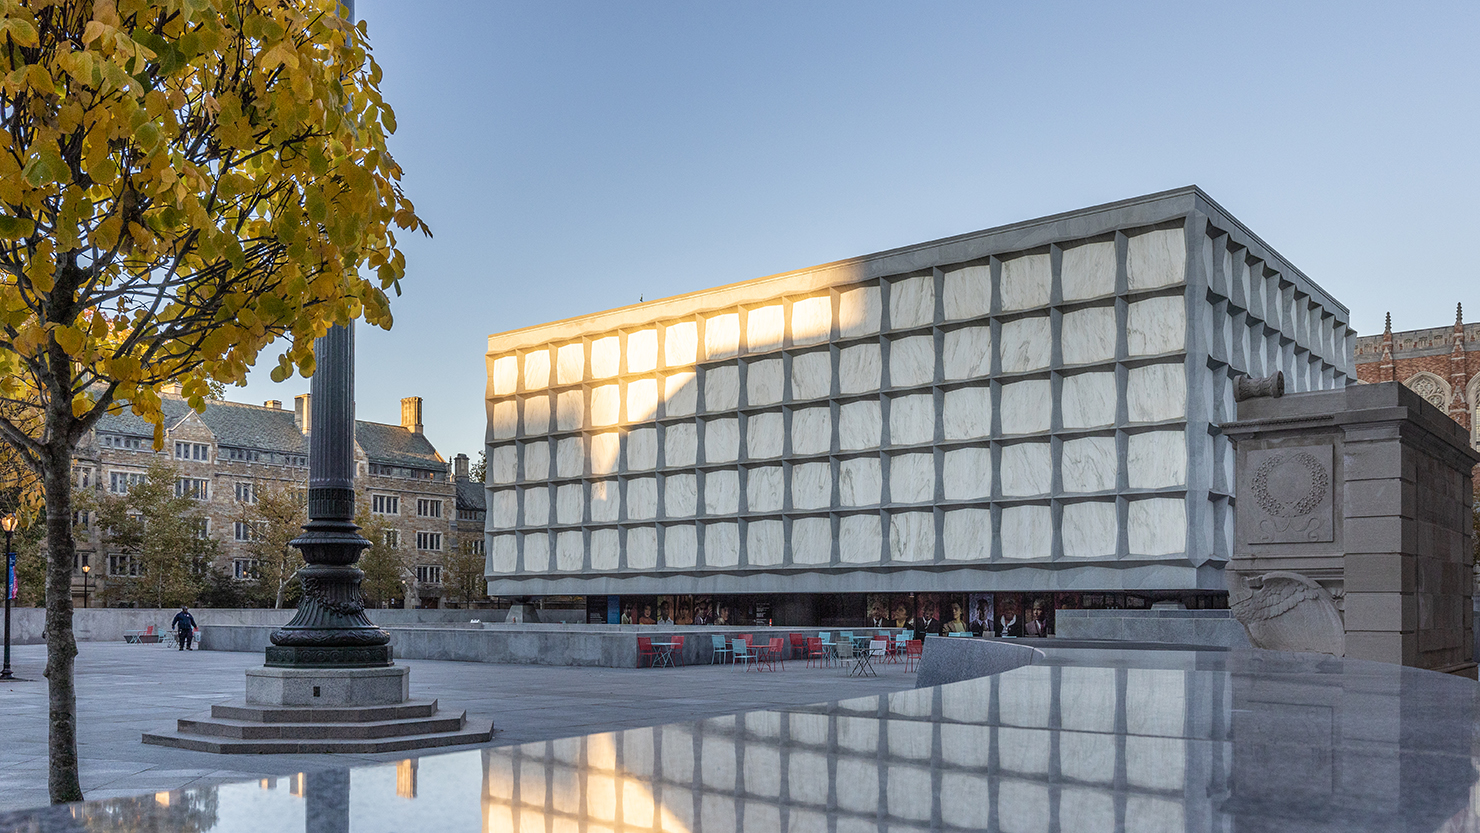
475	731
240	710
359	730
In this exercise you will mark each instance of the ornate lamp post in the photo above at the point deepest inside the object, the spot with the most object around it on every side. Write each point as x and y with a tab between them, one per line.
86	574
8	523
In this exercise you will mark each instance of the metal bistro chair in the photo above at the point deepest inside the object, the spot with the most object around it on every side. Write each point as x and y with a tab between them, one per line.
744	656
645	651
776	652
722	651
675	656
912	651
843	651
798	645
816	651
897	646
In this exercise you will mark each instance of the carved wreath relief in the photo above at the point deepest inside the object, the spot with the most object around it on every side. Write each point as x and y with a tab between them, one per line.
1287	497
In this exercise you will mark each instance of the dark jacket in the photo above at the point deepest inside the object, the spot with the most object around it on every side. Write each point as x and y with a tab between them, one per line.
924	627
183	621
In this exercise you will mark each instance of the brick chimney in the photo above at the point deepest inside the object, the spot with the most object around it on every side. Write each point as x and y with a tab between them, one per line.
275	404
302	413
460	467
411	414
1458	379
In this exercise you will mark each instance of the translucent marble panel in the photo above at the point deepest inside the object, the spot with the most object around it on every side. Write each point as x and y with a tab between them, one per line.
811	375
680	495
606	404
811	541
811	320
811	486
606	501
721	545
859	425
1157	392
721	492
858	311
811	431
606	357
536	546
503	508
642	548
967	473
1156	325
1157	526
860	481
1027	344
911	419
968	535
1088	271
1027	469
570	363
721	440
764	487
968	353
536	369
764	435
1089	464
1089	529
1026	282
859	369
1027	532
570	410
570	551
503	422
1158	258
859	539
503	464
1157	460
763	382
681	343
606	550
536	500
1088	335
642	498
505	375
642	401
911	361
765	543
536	460
1088	400
912	302
721	388
680	547
503	553
968	292
642	351
722	336
570	457
680	394
642	449
1026	407
536	414
765	327
911	478
968	411
912	536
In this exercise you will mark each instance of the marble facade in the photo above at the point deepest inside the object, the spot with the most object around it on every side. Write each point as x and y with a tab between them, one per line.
1033	407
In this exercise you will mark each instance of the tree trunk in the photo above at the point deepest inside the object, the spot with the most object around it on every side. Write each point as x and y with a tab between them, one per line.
61	646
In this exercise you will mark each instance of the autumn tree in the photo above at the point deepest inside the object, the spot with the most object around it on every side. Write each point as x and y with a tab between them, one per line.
161	530
462	574
277	516
182	183
386	572
478	472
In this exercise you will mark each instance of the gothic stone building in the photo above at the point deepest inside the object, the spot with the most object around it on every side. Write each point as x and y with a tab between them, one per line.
232	453
1441	364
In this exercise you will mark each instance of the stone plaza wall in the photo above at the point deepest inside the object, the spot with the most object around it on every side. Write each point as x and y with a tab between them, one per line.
99	624
1025	408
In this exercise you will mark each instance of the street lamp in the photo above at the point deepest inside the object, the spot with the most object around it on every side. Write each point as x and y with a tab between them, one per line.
86	569
8	523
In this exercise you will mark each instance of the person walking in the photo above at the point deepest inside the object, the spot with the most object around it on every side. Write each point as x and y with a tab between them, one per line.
184	625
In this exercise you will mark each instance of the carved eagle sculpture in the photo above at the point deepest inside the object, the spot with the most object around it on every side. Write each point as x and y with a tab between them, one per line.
1285	611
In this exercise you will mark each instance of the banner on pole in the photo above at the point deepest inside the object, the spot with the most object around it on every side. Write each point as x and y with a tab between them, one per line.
11	582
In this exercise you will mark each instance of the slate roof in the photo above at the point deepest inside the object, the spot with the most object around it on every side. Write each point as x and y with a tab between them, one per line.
470	495
274	429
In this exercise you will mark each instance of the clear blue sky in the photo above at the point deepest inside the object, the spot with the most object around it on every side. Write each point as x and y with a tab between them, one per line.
573	156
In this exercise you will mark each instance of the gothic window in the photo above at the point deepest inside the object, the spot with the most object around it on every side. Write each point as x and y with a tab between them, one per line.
1430	387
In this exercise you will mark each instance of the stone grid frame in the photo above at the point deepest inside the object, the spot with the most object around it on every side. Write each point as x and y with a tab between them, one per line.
650	449
1041	748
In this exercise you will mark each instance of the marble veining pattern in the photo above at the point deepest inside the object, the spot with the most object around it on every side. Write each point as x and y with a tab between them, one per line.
912	302
721	388
606	357
1088	464
642	449
811	320
722	336
536	546
606	405
642	498
968	535
1157	526
911	478
1089	335
1025	282
721	545
1088	400
860	425
967	473
764	435
1088	271
765	327
967	353
811	541
606	501
1027	532
537	460
1089	529
681	343
859	368
911	419
680	444
536	369
763	381
721	492
811	375
536	414
680	493
570	457
570	551
911	361
968	292
570	363
606	549
504	421
1026	407
765	543
764	488
680	397
1157	258
811	431
1157	392
504	509
642	548
503	553
1157	459
811	486
858	311
721	440
1027	469
860	482
680	546
504	375
570	410
860	540
912	536
642	351
1156	325
503	464
1026	344
605	450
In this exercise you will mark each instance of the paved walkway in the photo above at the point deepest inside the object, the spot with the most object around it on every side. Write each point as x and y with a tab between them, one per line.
126	690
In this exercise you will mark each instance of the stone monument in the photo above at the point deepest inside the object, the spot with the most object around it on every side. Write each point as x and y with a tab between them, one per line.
1353	531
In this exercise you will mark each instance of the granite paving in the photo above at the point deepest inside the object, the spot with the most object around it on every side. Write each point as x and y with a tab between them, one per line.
126	690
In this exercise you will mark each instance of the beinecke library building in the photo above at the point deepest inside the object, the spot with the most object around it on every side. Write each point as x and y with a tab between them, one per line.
1030	410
